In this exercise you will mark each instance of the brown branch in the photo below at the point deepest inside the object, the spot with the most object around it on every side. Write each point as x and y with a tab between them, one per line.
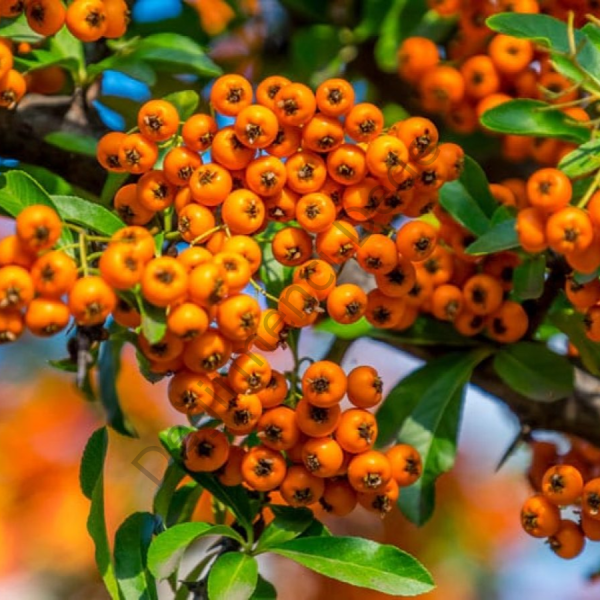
22	133
577	415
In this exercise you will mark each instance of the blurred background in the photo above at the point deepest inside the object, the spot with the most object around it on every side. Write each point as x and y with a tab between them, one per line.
474	545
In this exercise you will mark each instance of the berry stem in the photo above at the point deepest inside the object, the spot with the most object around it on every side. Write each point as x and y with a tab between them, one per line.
590	191
83	254
262	291
205	235
571	34
569	104
168	220
293	395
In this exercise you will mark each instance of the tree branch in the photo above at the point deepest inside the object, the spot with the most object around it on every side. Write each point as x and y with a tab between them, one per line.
23	130
577	415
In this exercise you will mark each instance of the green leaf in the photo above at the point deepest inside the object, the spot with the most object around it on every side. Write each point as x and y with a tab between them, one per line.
581	161
393	112
233	576
272	273
435	439
353	331
429	421
109	365
65	45
145	368
154	321
288	524
92	485
372	18
64	364
265	590
73	142
41	59
571	323
132	541
87	214
469	199
502	214
535	371
424	332
113	183
533	117
234	497
592	33
360	562
131	66
185	102
390	36
582	278
551	33
465	209
528	277
311	9
19	190
435	379
183	503
316	529
18	30
580	187
167	549
176	54
312	49
164	494
51	182
476	183
435	27
502	236
542	29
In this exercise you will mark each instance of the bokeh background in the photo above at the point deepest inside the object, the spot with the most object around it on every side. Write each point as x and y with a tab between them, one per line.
473	545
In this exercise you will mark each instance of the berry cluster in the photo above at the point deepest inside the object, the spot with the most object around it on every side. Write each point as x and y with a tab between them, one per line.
87	20
307	182
332	189
548	220
561	482
329	451
485	69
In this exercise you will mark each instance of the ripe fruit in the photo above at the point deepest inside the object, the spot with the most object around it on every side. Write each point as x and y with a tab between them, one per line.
539	517
38	227
562	484
206	450
369	471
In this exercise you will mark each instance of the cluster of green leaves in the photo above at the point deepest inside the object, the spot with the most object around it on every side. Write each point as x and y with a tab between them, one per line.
471	204
149	546
577	57
575	53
